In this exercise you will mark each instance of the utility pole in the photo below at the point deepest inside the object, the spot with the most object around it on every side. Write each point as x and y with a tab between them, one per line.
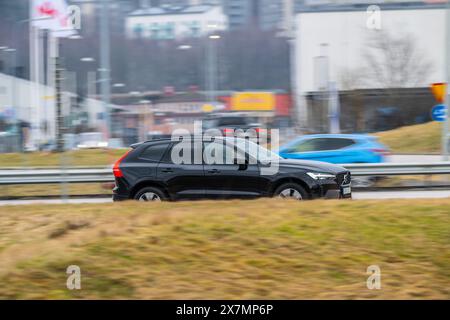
105	65
59	117
211	69
289	34
211	62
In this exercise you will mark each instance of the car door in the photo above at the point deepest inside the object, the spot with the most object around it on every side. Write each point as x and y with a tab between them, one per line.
183	180
143	166
224	178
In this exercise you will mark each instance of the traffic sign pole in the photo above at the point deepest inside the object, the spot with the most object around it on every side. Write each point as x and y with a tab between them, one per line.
441	94
447	94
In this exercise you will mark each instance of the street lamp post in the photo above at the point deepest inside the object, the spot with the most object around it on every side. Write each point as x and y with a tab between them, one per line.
211	63
105	64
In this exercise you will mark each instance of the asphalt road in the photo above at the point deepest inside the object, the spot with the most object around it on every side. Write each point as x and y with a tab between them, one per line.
383	195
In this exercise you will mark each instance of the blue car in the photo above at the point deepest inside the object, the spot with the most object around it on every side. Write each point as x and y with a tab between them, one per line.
336	148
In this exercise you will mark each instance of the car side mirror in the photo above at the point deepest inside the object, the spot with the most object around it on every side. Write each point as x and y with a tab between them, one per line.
243	165
238	161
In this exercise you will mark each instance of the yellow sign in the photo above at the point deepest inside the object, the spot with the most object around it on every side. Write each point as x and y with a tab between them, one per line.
439	91
208	108
253	101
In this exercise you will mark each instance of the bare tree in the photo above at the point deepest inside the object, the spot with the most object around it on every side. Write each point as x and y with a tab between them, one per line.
395	61
351	78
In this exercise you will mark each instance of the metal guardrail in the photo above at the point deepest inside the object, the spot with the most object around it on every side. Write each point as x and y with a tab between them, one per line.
83	175
397	169
40	176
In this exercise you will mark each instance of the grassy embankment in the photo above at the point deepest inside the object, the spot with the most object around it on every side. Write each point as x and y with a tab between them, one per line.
263	249
75	158
94	157
421	138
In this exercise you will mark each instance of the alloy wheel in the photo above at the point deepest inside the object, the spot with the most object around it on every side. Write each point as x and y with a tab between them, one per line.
149	196
290	193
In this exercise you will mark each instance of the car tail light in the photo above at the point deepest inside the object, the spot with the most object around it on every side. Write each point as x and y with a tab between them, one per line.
228	131
116	169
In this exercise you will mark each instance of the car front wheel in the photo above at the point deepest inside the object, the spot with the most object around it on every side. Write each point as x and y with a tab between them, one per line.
291	191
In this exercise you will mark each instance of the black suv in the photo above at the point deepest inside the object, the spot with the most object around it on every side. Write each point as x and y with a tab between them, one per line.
222	168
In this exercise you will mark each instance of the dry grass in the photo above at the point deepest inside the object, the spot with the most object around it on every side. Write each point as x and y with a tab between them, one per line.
53	189
264	249
421	138
91	157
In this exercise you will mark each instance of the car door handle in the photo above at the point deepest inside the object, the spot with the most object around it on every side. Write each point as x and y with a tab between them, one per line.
213	171
167	170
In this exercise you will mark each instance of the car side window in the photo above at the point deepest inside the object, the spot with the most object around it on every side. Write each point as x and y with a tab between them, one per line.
154	152
305	146
336	143
187	150
322	144
218	153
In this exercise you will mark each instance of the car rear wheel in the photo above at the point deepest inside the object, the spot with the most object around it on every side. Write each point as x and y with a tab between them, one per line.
291	191
150	194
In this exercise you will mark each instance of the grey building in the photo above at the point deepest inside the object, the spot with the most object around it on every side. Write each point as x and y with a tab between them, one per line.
264	14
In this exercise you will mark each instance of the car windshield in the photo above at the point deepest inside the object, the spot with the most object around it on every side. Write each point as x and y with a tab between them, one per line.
256	151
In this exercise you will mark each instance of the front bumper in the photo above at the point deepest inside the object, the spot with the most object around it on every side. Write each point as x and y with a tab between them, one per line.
337	194
332	189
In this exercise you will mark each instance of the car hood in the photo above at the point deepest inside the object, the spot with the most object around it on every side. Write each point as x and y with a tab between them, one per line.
316	166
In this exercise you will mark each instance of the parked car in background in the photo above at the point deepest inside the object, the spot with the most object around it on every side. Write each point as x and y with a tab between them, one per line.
155	135
228	123
336	148
90	140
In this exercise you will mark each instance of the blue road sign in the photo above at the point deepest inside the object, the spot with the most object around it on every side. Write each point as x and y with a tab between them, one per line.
439	112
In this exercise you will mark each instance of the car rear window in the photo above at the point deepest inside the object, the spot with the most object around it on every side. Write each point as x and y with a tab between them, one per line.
154	152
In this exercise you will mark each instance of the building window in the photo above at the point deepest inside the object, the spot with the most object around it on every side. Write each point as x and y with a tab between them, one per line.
154	31
137	30
169	30
195	29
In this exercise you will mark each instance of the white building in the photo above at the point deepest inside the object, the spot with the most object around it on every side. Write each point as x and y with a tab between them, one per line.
19	102
331	43
172	22
34	104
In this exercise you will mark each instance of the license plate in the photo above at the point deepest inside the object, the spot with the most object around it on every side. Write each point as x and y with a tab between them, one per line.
347	190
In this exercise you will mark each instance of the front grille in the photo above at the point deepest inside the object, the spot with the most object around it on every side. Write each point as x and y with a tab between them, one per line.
344	178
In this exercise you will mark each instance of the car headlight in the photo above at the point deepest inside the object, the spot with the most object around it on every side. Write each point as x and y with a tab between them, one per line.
321	176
